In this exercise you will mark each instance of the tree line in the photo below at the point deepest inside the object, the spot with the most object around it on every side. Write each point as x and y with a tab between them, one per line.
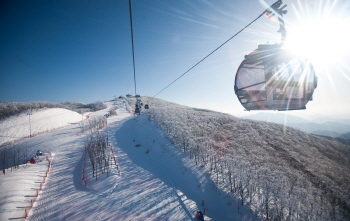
13	156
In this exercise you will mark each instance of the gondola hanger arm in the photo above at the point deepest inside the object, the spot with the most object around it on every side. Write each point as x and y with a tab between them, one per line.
276	8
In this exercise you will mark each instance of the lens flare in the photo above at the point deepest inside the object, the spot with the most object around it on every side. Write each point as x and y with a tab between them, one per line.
324	41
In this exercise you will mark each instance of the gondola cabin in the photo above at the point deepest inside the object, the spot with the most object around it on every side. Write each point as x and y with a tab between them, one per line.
271	78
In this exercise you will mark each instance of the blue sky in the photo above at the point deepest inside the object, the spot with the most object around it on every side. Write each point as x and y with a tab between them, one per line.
81	50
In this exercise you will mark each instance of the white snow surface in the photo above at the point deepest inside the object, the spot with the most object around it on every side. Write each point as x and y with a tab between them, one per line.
17	127
161	185
19	187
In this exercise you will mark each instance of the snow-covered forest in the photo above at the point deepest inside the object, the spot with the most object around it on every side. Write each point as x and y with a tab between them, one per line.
93	124
281	173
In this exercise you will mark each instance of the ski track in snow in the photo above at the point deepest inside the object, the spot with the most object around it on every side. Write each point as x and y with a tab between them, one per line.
161	185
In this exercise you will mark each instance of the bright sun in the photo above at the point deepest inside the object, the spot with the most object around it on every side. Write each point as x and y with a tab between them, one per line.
324	41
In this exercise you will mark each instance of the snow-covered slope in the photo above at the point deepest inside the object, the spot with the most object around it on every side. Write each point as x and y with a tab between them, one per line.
173	158
19	187
17	127
277	170
159	185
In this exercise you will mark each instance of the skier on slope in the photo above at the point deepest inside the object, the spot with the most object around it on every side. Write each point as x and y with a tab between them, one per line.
199	215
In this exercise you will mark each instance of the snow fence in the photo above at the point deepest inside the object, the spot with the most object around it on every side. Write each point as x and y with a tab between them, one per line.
32	201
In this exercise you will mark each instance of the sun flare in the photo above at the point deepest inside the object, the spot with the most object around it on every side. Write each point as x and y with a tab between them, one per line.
324	41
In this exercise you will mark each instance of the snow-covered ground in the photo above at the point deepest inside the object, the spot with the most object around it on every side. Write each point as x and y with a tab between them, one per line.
19	187
160	185
17	127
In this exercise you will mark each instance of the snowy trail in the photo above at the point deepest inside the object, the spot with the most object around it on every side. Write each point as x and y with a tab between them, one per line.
192	183
66	197
148	184
161	185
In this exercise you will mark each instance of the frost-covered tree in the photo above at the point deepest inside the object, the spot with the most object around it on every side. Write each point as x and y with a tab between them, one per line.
99	154
112	111
281	173
4	158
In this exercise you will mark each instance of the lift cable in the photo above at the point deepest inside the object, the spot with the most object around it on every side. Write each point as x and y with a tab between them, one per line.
132	42
266	11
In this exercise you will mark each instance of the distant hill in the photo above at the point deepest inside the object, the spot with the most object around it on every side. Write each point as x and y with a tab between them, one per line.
336	127
345	136
8	109
17	127
327	133
278	117
340	140
328	128
325	119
